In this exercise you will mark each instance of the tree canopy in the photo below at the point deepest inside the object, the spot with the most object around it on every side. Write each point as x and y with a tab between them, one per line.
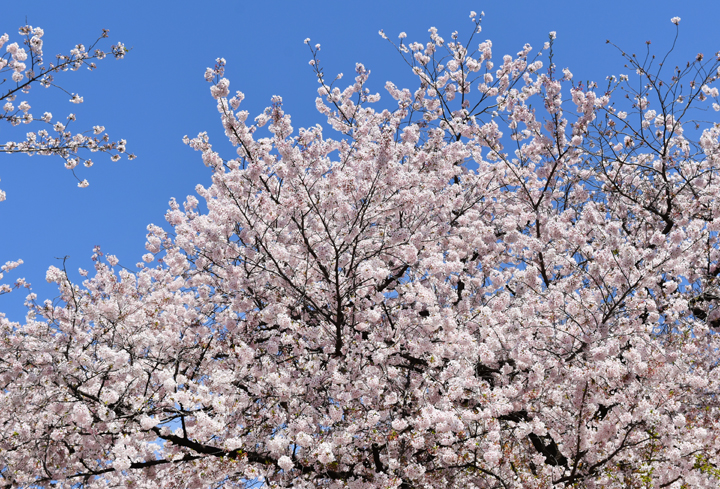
507	279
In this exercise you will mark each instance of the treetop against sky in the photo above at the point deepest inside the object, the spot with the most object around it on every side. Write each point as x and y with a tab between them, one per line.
483	270
155	96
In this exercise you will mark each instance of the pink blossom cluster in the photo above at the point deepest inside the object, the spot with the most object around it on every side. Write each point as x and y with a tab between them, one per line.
503	280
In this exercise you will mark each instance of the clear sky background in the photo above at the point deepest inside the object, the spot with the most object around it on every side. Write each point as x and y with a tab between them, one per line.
157	94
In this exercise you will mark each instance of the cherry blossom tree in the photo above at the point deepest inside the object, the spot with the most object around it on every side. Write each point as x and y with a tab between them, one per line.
507	280
26	69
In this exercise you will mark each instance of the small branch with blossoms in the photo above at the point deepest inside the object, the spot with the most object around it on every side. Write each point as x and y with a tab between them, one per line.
9	266
27	68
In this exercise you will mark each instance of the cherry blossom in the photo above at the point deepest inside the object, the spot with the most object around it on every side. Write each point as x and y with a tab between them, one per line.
500	278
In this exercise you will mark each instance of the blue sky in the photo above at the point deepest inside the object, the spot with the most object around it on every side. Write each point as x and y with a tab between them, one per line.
157	94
